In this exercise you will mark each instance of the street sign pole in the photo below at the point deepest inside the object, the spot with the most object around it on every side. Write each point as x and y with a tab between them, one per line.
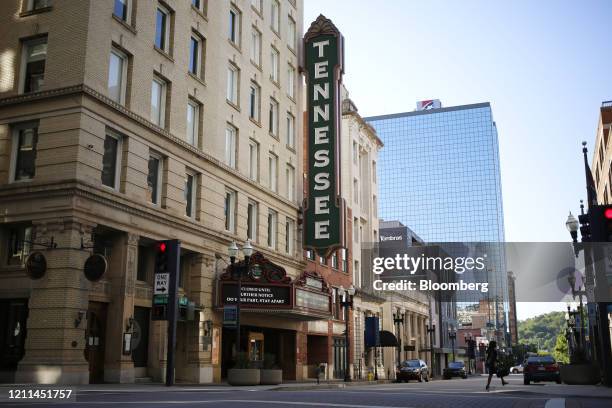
174	247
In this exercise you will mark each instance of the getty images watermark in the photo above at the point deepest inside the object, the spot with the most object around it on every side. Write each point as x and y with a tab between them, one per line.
402	264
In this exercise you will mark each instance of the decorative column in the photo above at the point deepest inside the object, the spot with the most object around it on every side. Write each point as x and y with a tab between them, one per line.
122	267
199	286
55	344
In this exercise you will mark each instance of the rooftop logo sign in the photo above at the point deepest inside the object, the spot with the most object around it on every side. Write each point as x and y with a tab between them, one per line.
324	207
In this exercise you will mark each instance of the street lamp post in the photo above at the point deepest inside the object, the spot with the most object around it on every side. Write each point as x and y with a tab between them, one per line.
232	250
398	319
452	335
347	303
431	329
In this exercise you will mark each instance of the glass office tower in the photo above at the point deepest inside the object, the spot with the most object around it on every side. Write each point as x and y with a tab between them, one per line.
439	174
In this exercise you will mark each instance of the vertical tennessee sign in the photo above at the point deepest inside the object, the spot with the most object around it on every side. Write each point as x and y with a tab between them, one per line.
324	207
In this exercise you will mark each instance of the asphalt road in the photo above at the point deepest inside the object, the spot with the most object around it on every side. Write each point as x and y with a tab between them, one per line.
456	393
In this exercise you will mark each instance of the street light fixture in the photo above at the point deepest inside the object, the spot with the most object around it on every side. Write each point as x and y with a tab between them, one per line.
346	302
232	251
572	226
398	319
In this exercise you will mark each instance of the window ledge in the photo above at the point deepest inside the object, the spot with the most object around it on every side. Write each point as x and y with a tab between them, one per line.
274	136
233	105
164	53
35	11
257	66
258	12
127	26
199	12
255	122
236	46
197	78
292	49
277	83
290	148
291	98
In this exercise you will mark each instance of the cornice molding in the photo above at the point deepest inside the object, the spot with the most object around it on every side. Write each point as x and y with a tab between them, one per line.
321	26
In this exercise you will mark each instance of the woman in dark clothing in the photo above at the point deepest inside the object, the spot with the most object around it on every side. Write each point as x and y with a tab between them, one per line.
492	363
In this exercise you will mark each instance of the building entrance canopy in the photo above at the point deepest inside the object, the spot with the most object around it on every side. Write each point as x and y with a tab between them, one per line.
266	289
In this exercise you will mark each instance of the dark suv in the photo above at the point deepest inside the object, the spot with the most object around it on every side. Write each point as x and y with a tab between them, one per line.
412	370
541	368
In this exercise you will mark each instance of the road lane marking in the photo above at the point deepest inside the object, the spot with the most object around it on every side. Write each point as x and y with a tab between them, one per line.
555	403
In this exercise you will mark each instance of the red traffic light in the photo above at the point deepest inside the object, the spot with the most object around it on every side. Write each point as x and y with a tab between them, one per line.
608	213
161	247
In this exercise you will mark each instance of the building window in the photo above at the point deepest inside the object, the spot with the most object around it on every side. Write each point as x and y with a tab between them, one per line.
355	153
355	190
374	172
33	70
253	160
158	101
252	215
274	64
272	218
154	178
200	5
334	260
234	26
162	29
117	76
291	34
290	174
273	118
230	146
19	238
193	122
190	189
122	9
344	260
110	161
356	273
310	254
273	172
232	84
290	81
254	102
143	264
24	152
256	46
275	16
322	260
196	53
33	5
374	206
289	228
355	229
290	130
230	211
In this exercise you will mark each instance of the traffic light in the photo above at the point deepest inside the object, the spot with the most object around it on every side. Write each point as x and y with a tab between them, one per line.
600	223
161	257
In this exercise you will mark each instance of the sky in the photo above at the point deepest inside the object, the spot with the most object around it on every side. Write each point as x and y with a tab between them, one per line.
544	65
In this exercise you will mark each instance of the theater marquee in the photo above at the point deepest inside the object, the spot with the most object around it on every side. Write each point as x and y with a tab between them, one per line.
324	207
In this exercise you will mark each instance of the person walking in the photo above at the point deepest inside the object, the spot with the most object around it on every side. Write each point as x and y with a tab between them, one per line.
492	363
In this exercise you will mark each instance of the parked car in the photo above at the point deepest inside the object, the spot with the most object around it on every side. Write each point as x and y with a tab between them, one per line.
518	369
412	370
454	369
541	368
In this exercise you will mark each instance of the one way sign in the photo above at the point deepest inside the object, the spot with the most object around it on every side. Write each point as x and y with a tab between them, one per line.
161	283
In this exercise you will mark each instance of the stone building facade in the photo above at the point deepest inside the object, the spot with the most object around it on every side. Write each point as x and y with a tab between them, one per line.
124	122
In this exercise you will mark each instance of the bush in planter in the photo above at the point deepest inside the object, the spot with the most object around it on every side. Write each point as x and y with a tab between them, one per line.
243	373
271	374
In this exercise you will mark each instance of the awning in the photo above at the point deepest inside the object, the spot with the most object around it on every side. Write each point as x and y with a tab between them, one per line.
387	339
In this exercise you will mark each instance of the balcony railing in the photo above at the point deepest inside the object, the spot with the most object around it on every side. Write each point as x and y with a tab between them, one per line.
606	104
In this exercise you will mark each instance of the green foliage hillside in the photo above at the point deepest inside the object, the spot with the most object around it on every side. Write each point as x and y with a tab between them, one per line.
542	330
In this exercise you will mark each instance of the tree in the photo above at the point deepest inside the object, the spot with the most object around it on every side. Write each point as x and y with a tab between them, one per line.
561	351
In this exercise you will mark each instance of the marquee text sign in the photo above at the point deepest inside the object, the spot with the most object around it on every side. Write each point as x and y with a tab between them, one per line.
324	207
